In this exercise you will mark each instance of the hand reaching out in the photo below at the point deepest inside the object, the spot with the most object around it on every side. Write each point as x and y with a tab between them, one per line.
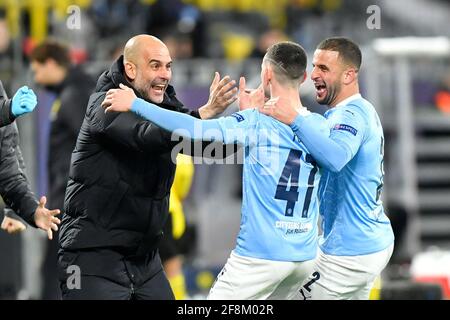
45	219
250	98
222	93
281	109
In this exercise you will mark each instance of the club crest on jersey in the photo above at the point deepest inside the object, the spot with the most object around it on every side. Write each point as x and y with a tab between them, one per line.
345	127
239	117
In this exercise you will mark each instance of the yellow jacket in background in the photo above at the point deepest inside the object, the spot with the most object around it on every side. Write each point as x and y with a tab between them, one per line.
180	189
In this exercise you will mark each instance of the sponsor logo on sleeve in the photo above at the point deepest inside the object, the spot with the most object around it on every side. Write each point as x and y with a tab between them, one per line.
345	127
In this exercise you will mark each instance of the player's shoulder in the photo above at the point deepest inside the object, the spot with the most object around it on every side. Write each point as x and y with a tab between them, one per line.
355	112
359	106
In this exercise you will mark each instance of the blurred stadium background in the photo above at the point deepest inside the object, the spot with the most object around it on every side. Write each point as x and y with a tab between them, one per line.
405	74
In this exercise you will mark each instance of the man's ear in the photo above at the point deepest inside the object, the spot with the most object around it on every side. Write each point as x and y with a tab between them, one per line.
130	70
305	74
350	75
268	74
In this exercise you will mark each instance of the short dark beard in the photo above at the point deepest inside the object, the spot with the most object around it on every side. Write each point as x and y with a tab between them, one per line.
332	92
143	94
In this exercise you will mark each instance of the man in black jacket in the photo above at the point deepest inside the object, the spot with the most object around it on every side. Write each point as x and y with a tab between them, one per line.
50	62
15	190
120	177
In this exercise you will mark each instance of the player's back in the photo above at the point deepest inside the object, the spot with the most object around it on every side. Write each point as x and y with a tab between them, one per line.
280	182
354	218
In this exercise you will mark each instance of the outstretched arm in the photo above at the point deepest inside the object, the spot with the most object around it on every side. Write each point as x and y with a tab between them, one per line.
15	189
313	132
124	99
331	149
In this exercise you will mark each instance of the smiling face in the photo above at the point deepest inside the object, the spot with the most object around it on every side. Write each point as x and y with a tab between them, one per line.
154	73
327	76
150	69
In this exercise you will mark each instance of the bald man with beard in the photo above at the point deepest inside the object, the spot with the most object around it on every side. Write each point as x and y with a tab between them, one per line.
121	171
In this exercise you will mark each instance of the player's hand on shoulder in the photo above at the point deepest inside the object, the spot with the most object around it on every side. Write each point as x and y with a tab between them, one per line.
280	109
119	100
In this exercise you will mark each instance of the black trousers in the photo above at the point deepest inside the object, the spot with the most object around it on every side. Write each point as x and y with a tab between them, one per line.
108	275
50	290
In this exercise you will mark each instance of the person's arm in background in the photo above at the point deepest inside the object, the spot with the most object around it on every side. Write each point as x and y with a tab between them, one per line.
6	116
24	101
15	188
12	223
331	148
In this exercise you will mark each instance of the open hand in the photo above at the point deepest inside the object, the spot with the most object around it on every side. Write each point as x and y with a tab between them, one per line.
222	93
45	219
250	98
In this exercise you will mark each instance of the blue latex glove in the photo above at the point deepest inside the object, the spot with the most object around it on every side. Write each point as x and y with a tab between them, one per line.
24	101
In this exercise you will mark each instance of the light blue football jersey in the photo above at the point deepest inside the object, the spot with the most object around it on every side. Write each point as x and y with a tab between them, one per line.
280	184
280	179
354	221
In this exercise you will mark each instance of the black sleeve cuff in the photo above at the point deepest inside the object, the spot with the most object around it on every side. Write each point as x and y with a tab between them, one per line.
11	214
6	115
29	217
